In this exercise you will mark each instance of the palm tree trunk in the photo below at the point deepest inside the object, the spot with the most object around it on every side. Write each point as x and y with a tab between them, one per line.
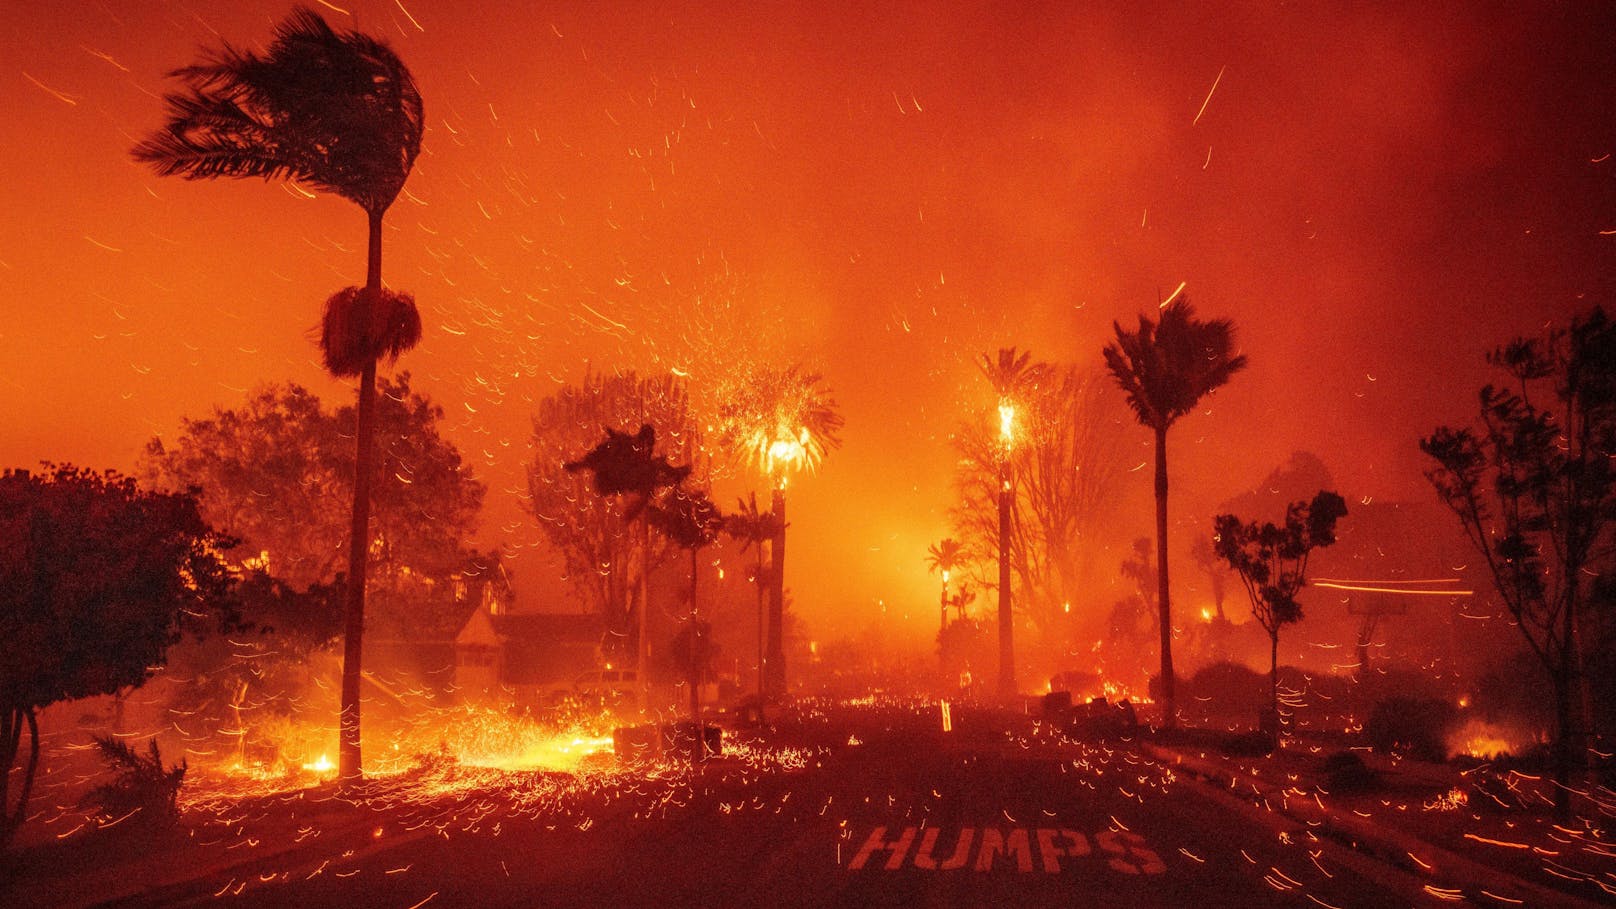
1007	652
775	661
695	661
1169	702
758	583
642	638
349	764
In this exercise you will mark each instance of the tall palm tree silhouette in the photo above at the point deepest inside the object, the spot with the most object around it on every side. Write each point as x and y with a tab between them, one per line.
754	528
942	558
1165	368
338	111
1012	375
691	521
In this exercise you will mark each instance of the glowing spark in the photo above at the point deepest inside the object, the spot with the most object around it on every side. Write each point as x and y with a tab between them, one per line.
63	97
333	7
1208	96
420	29
1174	295
103	56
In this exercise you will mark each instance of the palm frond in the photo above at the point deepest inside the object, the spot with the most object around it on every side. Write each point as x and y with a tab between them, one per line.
358	329
336	110
1166	367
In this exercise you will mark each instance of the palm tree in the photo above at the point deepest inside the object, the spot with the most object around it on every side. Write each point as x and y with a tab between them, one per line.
783	420
754	528
1012	374
942	558
1165	368
338	111
691	520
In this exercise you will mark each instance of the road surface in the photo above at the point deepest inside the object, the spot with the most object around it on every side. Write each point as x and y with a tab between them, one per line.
887	810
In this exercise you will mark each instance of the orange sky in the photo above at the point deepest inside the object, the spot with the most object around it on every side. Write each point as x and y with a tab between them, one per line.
880	190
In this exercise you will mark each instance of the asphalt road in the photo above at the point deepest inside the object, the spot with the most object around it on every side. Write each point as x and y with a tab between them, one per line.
889	811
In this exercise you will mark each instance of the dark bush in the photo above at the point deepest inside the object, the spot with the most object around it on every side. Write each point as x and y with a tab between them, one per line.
141	784
1345	771
1412	726
1247	744
1226	690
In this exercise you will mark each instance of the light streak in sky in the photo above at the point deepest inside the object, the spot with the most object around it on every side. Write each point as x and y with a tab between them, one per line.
1208	96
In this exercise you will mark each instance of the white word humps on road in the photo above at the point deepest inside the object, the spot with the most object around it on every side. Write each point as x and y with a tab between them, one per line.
1047	849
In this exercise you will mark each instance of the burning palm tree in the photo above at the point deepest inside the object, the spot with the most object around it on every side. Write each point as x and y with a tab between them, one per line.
942	558
338	111
783	421
1013	375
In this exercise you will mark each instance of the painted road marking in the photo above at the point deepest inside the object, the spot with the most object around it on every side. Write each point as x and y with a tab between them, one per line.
1123	851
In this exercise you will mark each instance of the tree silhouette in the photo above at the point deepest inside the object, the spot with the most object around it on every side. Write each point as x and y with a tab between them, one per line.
628	465
1535	490
754	528
782	420
98	578
590	532
941	559
1165	368
691	520
1272	563
340	112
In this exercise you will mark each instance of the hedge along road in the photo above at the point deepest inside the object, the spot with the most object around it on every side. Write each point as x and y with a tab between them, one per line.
895	813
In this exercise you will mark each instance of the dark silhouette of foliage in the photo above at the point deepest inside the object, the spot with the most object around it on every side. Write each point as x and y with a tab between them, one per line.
754	527
1413	726
277	472
1271	560
355	332
592	532
98	578
140	783
341	112
1164	369
1534	488
628	465
335	110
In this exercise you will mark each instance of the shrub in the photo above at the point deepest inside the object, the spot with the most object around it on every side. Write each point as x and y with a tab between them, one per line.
1227	689
1345	771
1416	727
141	784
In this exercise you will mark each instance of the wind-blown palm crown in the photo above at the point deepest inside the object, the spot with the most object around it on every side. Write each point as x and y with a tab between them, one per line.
946	556
335	110
1166	367
1013	373
749	525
